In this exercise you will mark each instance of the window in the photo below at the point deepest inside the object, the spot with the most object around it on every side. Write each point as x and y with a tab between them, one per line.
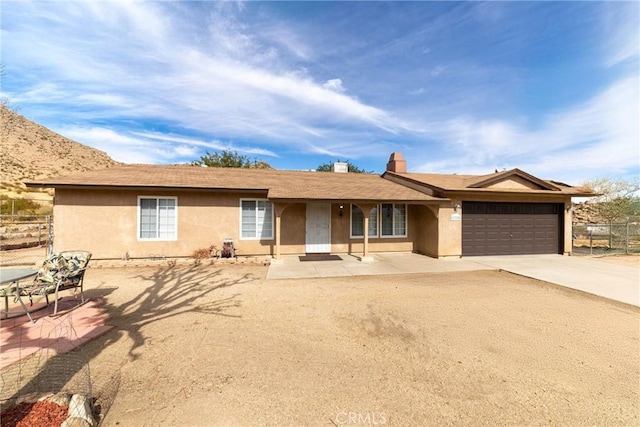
392	221
157	218
357	222
256	219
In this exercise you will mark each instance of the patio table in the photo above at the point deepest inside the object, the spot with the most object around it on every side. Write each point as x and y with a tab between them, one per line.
11	277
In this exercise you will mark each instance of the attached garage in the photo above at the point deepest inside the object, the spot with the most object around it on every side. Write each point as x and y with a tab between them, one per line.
502	213
510	228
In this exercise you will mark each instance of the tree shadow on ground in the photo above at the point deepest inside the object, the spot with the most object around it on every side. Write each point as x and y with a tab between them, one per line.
165	293
173	292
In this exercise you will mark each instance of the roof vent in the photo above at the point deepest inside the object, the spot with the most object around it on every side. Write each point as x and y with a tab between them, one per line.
397	163
340	167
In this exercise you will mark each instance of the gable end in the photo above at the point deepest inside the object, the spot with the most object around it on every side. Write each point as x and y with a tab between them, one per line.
514	179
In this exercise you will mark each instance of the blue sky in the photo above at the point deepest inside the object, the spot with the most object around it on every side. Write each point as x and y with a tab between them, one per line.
458	87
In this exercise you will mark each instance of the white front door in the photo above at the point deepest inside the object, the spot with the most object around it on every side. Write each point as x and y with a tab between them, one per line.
318	228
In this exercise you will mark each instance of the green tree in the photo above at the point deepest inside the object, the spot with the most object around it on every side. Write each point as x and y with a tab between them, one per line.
615	200
328	167
229	159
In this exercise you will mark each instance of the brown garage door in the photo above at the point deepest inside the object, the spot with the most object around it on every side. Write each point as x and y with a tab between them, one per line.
492	228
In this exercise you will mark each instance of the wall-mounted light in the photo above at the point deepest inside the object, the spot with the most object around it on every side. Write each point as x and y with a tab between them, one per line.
456	207
341	210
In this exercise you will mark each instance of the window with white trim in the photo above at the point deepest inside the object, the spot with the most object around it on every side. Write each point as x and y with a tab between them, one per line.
393	220
357	222
256	219
385	220
157	218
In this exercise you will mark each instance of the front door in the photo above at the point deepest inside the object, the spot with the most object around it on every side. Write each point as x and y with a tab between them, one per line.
318	228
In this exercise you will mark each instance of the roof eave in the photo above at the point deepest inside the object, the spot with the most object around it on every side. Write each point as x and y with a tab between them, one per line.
414	181
485	191
132	187
356	200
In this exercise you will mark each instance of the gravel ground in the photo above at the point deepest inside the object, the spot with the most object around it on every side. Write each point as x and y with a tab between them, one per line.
220	345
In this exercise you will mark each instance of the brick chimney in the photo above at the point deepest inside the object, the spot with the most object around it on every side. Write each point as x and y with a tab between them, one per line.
397	163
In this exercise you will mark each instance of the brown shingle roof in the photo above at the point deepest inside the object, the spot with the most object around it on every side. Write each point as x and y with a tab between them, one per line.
476	183
289	185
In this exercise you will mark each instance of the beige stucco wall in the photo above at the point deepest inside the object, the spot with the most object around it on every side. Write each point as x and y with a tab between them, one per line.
424	225
449	231
515	183
568	227
105	223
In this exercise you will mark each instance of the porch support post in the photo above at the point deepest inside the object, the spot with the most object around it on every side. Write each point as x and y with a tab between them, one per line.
366	234
278	217
366	210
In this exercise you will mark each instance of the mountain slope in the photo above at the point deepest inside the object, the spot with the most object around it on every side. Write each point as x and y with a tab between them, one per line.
31	151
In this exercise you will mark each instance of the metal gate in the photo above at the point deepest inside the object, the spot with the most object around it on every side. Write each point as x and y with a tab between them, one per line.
606	239
25	239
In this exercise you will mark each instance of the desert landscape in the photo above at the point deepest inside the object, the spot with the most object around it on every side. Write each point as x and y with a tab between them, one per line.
203	345
30	151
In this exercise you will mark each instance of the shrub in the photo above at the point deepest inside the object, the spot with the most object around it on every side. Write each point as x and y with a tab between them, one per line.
200	254
19	207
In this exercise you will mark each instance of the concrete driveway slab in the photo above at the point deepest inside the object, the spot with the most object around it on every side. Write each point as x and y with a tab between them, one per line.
612	281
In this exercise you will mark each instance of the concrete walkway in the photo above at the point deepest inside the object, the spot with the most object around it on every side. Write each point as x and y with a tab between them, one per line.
612	281
290	267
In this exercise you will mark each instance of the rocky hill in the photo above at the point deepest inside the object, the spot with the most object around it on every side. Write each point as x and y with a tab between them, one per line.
31	151
586	213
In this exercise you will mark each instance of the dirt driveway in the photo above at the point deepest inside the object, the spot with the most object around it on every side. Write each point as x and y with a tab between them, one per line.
210	345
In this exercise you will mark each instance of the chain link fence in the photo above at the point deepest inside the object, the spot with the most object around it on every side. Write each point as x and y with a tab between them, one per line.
25	239
606	239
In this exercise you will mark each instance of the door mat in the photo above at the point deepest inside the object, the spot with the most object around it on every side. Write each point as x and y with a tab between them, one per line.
320	257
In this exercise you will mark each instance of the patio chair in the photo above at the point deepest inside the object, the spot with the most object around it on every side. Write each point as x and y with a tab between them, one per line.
60	272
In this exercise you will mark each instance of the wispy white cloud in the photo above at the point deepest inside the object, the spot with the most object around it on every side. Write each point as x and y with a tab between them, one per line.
334	85
599	135
104	99
260	85
40	92
215	145
621	32
222	85
120	147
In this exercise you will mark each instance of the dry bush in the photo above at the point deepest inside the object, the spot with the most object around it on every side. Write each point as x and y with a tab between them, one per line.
200	254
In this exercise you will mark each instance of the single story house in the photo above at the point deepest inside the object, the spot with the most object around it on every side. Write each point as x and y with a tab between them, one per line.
141	211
